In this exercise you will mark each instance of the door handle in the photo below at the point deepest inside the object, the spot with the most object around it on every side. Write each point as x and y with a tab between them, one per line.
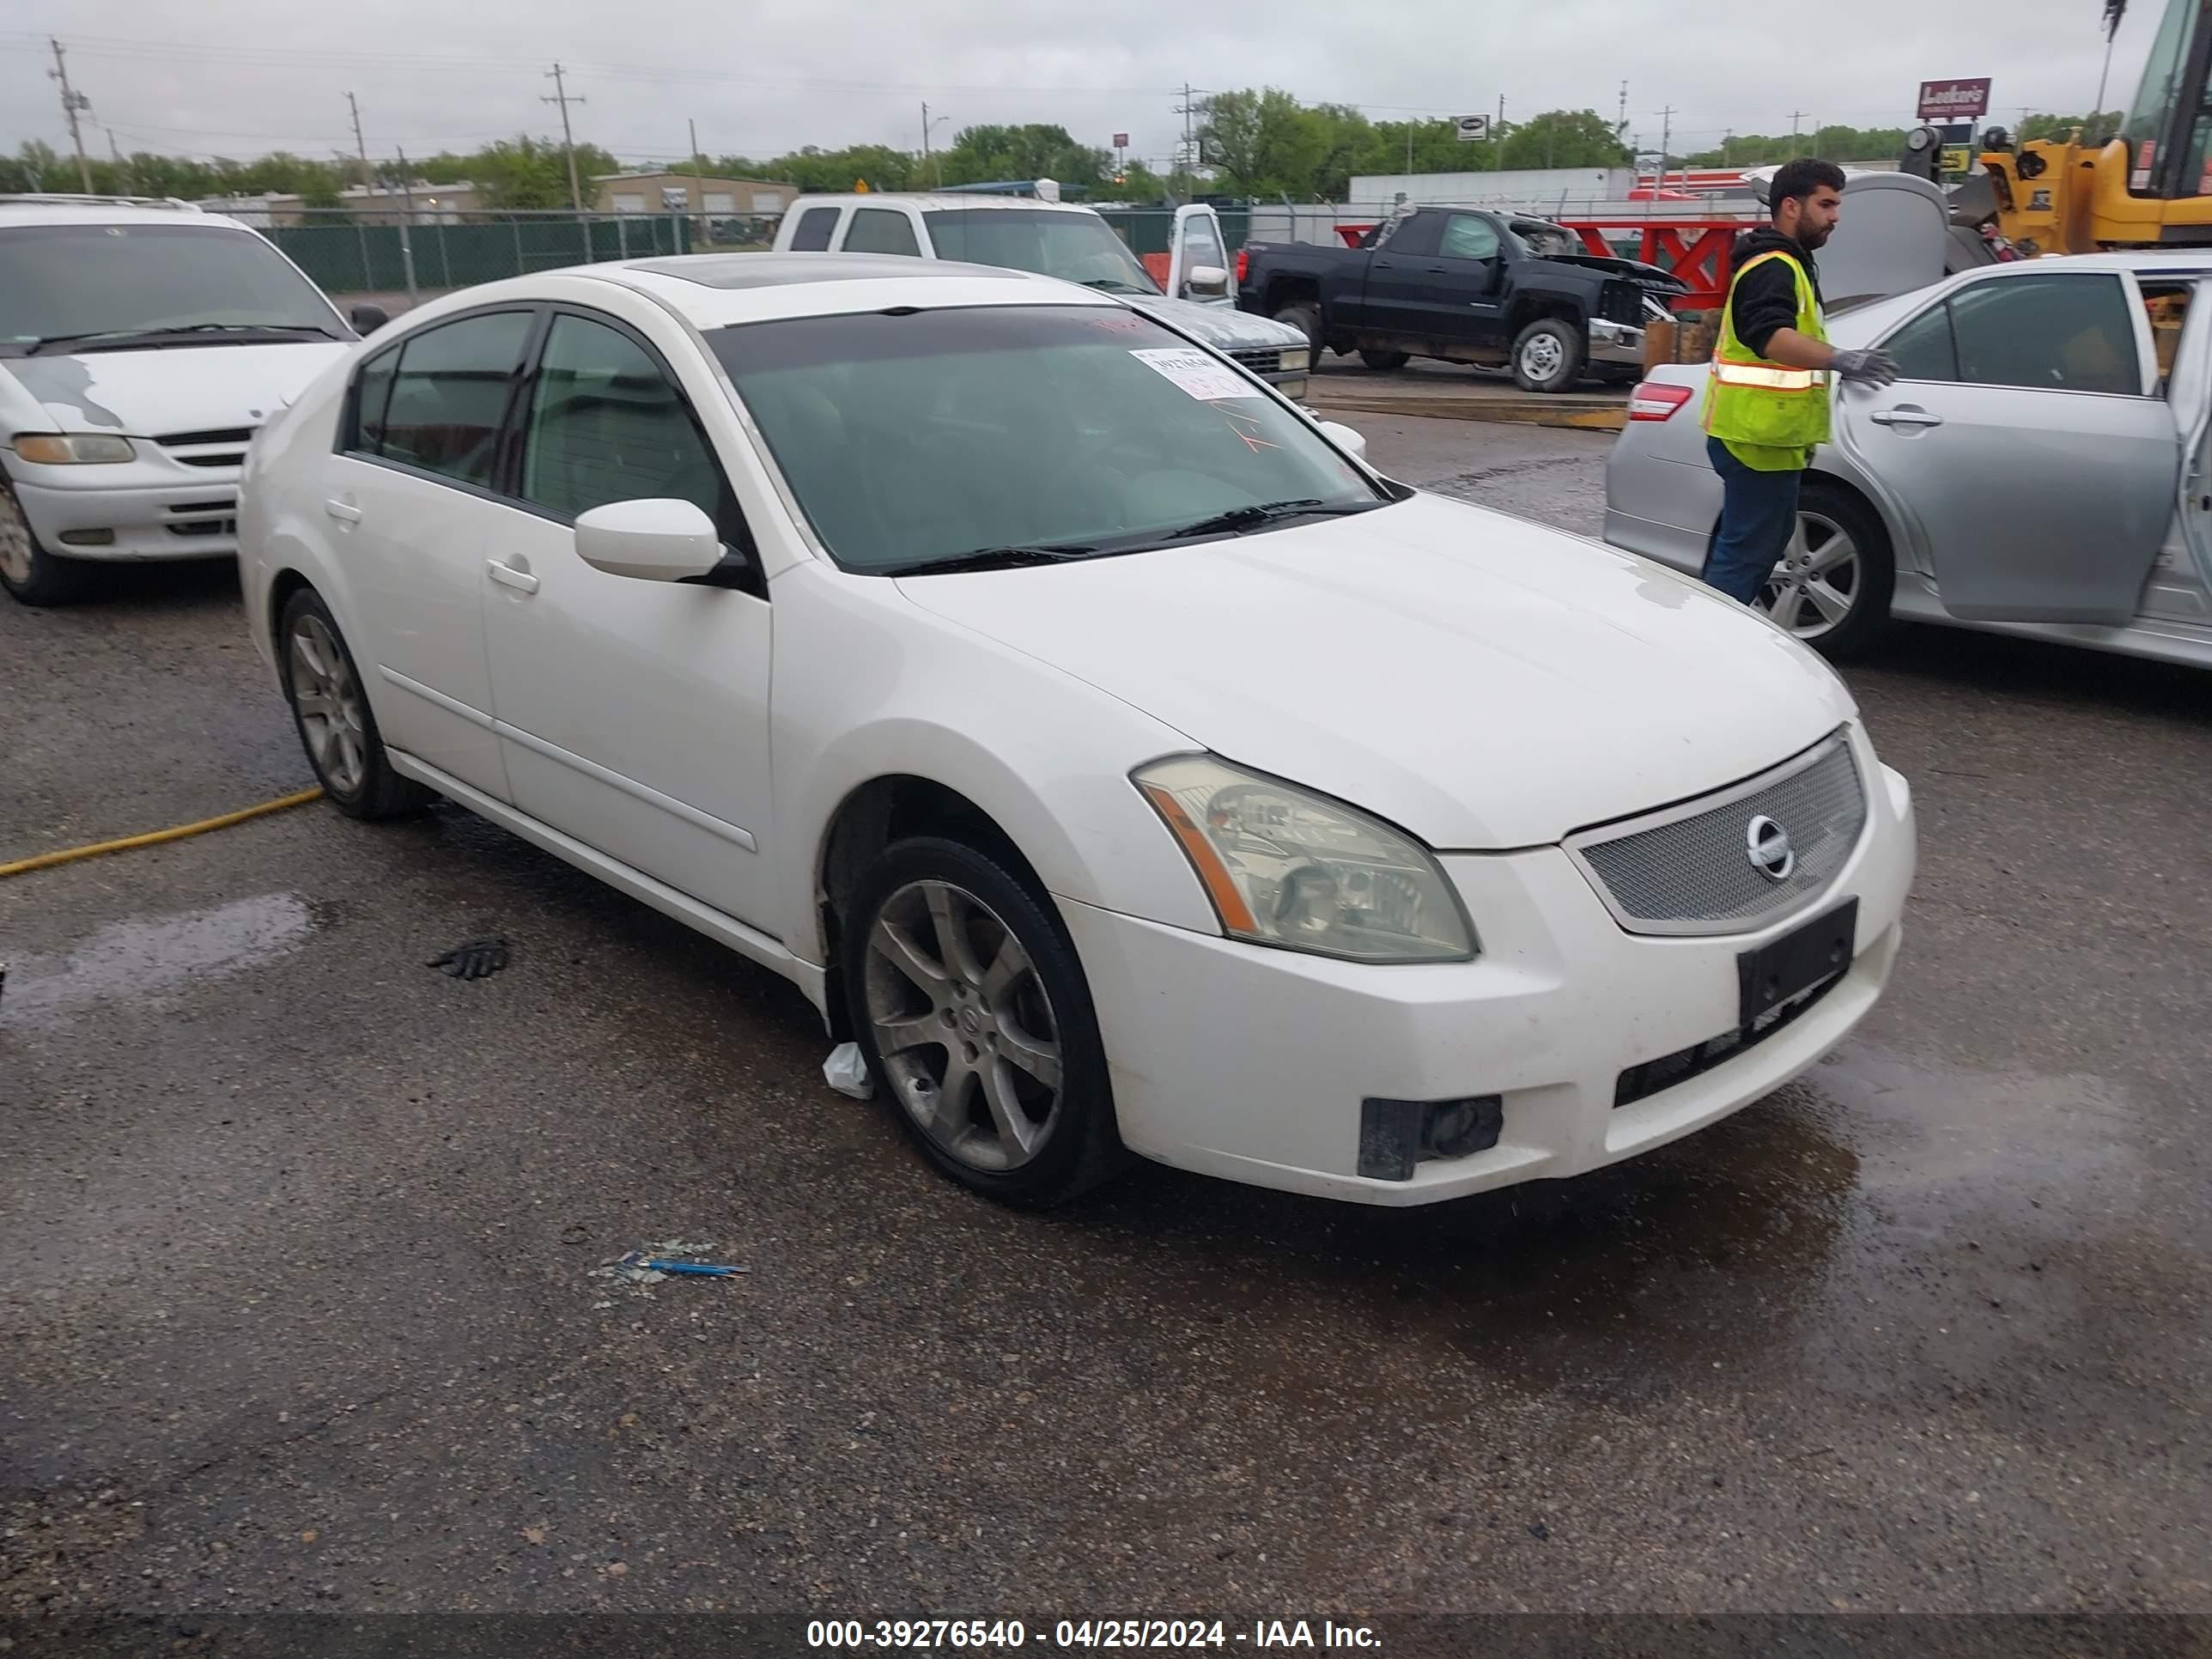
521	580
1904	417
345	511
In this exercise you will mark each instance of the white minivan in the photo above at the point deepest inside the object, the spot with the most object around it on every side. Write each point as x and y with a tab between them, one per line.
141	343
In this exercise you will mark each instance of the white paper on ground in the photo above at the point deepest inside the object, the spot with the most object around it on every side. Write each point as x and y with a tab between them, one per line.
847	1073
1203	377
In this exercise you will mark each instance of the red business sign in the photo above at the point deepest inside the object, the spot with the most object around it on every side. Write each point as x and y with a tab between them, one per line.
1120	141
1954	100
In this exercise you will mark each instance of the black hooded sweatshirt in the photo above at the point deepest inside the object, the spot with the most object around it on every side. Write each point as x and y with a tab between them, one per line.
1767	298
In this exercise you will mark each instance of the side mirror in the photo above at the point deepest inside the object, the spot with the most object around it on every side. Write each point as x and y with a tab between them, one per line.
1211	281
1346	438
367	319
656	540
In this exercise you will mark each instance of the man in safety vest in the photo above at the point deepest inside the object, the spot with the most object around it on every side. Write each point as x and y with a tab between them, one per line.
1766	404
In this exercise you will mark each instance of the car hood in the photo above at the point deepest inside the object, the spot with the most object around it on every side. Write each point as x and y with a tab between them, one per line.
1223	326
1649	276
1482	681
145	394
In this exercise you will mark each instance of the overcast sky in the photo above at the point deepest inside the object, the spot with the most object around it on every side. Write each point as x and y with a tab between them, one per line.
238	77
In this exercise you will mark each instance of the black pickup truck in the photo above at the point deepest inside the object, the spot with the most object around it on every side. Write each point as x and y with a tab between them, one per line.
1469	286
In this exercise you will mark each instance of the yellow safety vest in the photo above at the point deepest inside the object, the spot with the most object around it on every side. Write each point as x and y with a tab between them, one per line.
1770	415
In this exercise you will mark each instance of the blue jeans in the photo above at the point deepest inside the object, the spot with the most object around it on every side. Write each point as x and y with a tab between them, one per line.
1759	515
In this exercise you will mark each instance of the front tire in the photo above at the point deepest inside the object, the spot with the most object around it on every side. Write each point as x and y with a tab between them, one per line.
331	712
970	1006
1833	587
1547	355
30	573
1384	362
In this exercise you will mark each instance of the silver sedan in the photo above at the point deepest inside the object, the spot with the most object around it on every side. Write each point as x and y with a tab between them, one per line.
2040	468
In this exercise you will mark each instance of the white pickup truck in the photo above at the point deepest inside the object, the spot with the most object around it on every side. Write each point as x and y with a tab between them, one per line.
1059	239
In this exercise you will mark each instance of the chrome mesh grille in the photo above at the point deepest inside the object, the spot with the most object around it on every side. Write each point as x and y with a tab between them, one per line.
1260	359
1694	874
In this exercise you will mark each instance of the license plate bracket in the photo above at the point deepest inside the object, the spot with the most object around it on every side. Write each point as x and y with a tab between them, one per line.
1788	967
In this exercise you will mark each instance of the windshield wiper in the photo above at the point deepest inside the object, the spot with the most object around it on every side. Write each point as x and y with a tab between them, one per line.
1265	513
991	558
1115	285
120	336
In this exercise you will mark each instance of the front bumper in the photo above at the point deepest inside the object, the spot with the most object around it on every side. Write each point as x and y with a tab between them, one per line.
1615	342
190	518
1252	1064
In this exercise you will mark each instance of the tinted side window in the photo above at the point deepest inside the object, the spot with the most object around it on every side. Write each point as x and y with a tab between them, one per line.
879	230
1469	238
1418	235
450	394
812	235
1922	347
371	392
2064	331
605	425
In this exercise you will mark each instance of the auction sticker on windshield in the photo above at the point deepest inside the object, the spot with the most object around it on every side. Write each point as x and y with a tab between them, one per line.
1203	377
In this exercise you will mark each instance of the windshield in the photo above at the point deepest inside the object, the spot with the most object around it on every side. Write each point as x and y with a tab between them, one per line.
919	438
1076	248
1544	241
57	280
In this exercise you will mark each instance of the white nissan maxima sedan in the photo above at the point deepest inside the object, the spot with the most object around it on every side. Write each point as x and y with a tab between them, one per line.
1096	740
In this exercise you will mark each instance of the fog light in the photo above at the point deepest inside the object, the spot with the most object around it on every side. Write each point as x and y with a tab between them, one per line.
89	538
1395	1135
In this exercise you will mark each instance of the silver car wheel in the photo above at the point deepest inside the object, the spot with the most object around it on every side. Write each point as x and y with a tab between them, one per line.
963	1026
16	546
328	700
1542	356
1812	590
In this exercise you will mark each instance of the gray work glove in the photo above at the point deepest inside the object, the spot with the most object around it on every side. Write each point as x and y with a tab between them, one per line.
1867	368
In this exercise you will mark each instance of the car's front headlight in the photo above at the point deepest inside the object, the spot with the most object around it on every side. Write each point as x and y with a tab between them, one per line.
1294	358
72	448
1287	868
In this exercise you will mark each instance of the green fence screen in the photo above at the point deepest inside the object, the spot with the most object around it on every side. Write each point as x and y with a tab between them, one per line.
368	258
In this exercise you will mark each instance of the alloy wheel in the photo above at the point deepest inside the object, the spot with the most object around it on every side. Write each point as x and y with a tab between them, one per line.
962	1025
328	699
1812	590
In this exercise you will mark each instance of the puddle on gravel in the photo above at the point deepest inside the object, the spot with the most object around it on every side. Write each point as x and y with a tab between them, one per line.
144	957
1878	1212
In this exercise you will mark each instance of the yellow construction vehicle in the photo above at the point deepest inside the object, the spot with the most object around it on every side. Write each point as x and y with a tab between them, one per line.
2151	186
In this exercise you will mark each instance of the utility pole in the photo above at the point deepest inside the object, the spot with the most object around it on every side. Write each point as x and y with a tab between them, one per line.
72	103
1795	116
567	135
698	177
1622	126
359	143
1497	138
928	121
122	169
1188	108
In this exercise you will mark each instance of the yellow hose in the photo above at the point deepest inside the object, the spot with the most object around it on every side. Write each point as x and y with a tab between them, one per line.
70	855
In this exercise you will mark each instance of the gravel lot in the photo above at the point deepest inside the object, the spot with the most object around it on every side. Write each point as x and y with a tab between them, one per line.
299	1312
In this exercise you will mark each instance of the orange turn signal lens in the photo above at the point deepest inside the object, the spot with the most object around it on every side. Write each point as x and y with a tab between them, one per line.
1220	886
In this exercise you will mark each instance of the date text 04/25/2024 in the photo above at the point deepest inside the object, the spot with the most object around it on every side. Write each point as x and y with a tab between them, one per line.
1163	1633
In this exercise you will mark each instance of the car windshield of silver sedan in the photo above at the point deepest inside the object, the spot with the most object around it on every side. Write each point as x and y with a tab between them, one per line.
921	441
118	288
1076	247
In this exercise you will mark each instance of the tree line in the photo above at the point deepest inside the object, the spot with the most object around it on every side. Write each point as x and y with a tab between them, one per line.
1259	144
